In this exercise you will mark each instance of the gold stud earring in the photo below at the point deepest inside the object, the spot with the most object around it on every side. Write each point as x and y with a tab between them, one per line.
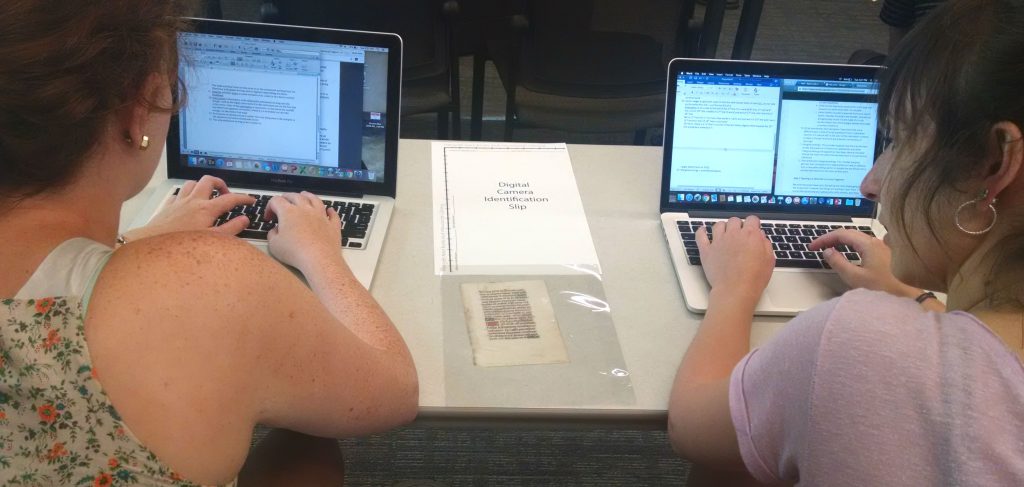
145	143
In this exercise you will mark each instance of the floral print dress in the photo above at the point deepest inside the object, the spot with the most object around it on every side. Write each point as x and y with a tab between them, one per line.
57	426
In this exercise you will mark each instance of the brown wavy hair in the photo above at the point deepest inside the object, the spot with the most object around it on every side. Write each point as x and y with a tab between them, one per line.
947	84
66	66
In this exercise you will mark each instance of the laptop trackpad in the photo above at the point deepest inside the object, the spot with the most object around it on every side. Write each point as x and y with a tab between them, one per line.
803	290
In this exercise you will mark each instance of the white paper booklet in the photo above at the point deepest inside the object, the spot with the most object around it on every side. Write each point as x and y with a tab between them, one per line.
504	208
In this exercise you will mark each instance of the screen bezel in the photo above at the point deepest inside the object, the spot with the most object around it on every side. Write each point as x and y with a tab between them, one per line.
774	69
291	182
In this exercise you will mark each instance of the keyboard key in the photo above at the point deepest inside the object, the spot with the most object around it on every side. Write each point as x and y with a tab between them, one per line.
689	244
778	238
253	234
767	225
693	252
852	256
693	260
843	248
806	240
799	246
807	232
687	236
818	233
355	245
785	246
781	254
796	254
821	227
810	256
864	229
798	263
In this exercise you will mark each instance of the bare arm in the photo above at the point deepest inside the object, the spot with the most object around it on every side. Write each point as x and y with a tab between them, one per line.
700	426
208	321
876	263
738	266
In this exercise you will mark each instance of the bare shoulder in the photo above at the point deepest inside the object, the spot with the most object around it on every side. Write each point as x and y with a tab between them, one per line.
195	302
198	336
174	325
184	252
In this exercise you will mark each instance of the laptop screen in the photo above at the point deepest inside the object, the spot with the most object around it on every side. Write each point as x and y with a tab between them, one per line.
282	106
770	137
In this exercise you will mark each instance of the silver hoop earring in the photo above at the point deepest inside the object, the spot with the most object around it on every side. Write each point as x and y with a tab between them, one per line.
995	215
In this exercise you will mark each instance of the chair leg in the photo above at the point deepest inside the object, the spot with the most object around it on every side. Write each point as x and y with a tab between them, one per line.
456	122
442	125
476	117
456	105
640	137
510	116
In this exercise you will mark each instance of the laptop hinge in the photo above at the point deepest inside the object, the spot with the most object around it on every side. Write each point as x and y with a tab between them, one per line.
770	216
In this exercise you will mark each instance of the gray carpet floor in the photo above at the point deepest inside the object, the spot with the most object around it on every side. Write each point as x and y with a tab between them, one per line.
795	30
514	458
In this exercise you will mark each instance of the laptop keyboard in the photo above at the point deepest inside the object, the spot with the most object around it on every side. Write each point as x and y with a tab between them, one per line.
789	240
356	217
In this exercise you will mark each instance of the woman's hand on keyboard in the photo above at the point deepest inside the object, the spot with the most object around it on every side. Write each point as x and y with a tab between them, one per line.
737	259
307	235
194	208
874	272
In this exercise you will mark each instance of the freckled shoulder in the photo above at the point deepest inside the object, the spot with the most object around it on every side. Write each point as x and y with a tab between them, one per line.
182	319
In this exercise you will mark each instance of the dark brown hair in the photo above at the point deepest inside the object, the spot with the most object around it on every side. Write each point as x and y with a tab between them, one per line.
949	81
66	66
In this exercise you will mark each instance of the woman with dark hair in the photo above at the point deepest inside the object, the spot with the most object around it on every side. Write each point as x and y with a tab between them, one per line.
152	364
885	385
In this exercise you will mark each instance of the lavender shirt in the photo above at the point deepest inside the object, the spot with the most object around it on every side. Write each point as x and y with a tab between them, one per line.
870	389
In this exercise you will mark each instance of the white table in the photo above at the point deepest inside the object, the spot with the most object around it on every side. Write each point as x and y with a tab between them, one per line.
619	186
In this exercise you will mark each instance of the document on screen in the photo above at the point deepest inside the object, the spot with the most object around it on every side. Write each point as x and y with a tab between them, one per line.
825	147
724	138
508	209
266	114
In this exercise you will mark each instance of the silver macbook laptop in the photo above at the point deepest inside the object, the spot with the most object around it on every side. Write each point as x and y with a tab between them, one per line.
788	142
274	109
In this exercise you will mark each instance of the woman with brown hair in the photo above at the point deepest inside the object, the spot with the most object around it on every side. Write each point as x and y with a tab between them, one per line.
151	364
886	385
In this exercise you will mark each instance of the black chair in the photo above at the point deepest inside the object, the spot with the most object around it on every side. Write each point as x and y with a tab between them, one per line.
746	31
596	65
430	81
211	9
